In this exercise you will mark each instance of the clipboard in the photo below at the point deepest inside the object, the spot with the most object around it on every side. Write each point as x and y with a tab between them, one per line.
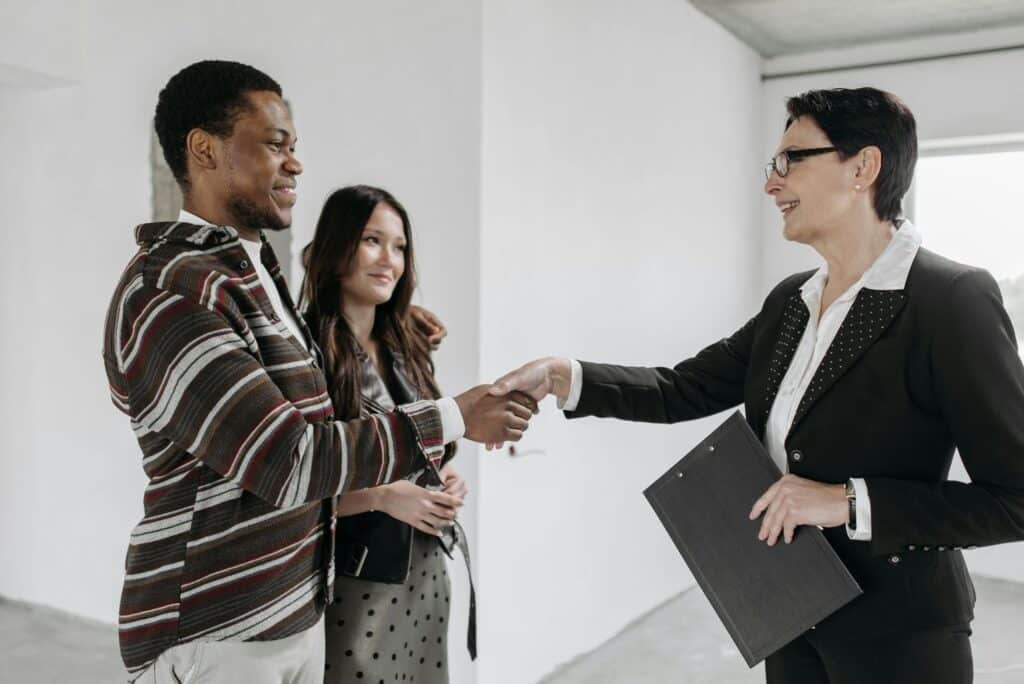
765	596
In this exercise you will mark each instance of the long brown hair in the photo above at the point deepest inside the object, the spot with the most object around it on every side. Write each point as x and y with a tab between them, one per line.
338	234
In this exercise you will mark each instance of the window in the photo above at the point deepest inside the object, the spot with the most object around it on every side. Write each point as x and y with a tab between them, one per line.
970	207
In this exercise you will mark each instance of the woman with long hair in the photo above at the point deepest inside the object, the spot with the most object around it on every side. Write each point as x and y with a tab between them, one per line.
388	618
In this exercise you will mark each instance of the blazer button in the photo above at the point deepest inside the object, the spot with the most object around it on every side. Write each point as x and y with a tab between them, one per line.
797	456
243	265
894	559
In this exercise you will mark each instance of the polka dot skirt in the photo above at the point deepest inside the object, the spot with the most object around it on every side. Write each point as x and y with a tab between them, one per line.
384	633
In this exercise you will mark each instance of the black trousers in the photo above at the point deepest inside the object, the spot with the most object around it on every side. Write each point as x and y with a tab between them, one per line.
935	656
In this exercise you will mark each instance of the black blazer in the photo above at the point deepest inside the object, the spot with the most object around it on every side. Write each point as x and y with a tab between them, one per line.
911	376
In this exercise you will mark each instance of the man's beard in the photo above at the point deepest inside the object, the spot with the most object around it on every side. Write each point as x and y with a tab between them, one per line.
248	215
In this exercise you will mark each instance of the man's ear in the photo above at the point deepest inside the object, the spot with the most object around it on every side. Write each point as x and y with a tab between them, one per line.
202	149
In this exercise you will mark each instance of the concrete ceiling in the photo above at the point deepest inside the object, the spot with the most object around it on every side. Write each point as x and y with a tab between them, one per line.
776	28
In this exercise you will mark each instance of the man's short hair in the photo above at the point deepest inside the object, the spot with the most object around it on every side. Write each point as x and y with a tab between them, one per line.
857	118
210	95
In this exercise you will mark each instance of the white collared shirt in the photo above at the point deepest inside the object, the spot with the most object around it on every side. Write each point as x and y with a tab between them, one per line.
453	427
888	272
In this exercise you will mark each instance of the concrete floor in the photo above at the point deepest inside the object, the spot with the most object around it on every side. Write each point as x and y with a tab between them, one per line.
683	642
40	644
680	641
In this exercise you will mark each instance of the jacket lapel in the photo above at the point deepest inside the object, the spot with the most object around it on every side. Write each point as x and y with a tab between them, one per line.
871	314
404	383
381	397
794	321
377	396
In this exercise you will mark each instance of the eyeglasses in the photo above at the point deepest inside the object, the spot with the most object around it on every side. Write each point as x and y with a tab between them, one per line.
780	162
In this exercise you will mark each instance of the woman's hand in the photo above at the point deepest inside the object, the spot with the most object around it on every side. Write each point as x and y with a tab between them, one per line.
426	510
428	324
794	501
454	484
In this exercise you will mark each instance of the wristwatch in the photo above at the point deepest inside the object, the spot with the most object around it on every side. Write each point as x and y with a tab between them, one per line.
851	502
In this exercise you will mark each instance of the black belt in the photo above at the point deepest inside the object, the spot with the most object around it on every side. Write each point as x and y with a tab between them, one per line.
458	539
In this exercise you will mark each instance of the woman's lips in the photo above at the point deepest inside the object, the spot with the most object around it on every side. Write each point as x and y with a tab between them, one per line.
787	207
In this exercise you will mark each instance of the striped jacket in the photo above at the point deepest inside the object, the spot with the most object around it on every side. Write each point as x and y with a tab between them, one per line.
239	444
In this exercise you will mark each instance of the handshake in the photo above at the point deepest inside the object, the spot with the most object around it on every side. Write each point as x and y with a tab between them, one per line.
501	412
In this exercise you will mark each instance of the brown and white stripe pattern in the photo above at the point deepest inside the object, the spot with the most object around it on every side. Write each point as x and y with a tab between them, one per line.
240	446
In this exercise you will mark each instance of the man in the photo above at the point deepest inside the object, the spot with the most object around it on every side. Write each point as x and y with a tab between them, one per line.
228	572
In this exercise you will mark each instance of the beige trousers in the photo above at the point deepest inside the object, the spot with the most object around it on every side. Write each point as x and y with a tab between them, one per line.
298	659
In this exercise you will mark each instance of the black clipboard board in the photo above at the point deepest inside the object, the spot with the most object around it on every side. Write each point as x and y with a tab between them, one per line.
765	596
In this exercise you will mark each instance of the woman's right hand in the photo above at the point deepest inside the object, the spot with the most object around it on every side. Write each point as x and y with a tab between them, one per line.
426	510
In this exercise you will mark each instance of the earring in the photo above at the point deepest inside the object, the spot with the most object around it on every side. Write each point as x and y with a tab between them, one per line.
856	187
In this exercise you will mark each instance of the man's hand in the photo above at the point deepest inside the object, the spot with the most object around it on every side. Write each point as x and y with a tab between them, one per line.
491	419
551	375
795	501
426	510
454	484
428	324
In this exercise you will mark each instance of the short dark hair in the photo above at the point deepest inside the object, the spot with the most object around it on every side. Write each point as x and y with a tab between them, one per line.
857	118
210	95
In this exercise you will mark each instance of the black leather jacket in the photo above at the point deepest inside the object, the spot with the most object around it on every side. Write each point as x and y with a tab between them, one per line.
374	546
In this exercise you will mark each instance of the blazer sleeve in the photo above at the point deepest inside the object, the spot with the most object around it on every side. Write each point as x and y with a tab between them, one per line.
979	385
186	377
710	382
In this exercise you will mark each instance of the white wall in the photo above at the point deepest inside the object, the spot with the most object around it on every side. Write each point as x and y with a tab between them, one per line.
950	98
620	181
43	42
385	92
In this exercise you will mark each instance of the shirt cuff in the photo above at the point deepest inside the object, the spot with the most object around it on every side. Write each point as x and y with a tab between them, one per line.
863	531
453	427
575	387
